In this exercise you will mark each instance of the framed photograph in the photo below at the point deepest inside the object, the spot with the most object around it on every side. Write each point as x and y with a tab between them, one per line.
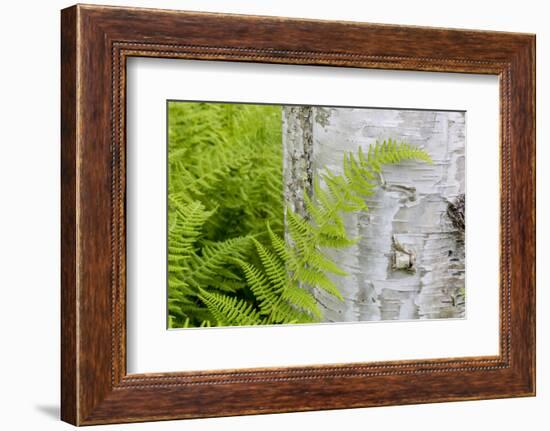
265	214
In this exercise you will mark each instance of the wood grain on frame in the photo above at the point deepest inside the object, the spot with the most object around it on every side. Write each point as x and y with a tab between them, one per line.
96	41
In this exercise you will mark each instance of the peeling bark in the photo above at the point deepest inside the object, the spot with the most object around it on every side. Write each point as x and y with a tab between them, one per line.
298	154
409	261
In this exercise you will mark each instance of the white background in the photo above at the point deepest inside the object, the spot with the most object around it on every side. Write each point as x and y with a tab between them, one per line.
151	348
29	221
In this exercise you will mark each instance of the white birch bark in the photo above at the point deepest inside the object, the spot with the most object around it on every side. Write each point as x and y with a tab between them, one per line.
407	215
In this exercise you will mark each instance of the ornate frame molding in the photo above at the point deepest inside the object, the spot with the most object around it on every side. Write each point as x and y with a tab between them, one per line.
96	41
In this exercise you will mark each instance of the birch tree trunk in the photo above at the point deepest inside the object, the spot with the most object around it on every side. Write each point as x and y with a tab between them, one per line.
298	156
409	261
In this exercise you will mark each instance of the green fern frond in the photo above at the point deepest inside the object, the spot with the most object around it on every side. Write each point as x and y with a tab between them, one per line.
185	227
230	310
391	152
286	313
314	258
315	278
274	267
343	194
283	251
302	299
357	179
213	262
267	297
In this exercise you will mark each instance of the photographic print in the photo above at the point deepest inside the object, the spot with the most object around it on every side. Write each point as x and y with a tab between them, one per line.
287	214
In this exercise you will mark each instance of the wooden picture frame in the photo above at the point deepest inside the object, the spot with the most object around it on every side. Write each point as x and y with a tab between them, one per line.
96	41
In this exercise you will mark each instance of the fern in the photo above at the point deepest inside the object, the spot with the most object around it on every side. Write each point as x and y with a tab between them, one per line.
265	295
214	264
230	310
212	212
228	157
228	261
185	229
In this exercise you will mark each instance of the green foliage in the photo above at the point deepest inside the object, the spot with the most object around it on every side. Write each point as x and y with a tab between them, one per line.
228	310
228	260
224	184
228	157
